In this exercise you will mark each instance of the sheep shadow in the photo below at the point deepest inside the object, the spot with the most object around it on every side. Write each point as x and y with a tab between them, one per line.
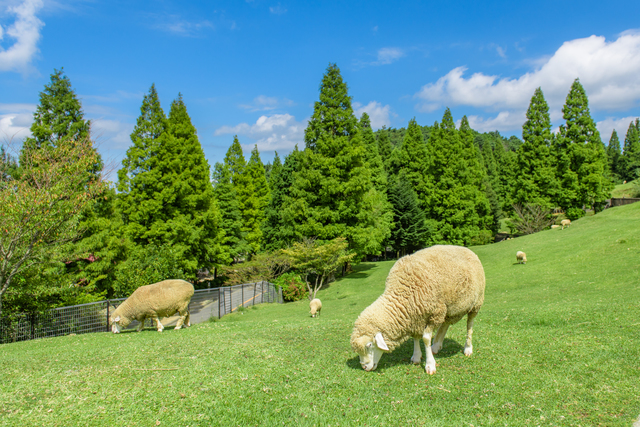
402	355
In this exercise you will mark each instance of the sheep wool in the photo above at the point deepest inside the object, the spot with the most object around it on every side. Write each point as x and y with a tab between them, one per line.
565	223
521	257
424	292
162	299
315	305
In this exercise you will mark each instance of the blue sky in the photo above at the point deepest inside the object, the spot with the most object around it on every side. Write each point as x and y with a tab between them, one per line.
253	68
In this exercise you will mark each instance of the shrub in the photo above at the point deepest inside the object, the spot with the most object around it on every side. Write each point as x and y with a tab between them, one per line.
293	287
529	219
574	213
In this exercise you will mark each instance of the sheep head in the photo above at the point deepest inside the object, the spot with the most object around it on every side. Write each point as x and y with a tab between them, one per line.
370	349
118	323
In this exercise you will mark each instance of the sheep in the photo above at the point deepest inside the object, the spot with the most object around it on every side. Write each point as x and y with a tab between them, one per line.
555	226
316	306
521	257
566	222
162	299
424	292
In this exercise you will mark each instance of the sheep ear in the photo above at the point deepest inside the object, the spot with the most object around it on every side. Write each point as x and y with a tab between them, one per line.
117	319
380	342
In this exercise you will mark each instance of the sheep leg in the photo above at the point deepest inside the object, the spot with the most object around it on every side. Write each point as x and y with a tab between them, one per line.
141	325
430	366
158	323
439	339
417	352
181	319
187	319
468	347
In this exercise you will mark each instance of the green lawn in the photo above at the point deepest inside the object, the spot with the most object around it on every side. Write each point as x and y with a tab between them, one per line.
556	344
630	189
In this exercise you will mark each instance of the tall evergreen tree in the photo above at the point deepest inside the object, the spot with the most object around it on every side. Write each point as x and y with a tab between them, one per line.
384	147
332	193
256	203
536	179
242	185
457	204
409	232
411	159
630	161
614	153
586	159
231	218
372	156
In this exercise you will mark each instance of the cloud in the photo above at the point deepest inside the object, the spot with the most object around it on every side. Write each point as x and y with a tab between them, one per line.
266	103
275	132
278	9
111	134
606	127
388	55
15	122
378	113
608	71
177	25
504	121
25	30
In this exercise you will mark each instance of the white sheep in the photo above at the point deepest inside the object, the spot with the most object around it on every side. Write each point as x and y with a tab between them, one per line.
565	222
555	226
315	305
162	299
424	292
521	257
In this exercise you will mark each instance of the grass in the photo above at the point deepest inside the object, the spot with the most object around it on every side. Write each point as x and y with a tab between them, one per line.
556	344
629	190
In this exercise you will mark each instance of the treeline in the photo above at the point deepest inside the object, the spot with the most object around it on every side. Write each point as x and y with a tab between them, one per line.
170	215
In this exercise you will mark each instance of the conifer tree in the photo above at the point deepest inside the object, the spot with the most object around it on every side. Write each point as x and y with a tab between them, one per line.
536	179
226	198
333	195
411	159
457	204
630	161
583	158
409	232
255	203
242	185
384	147
372	156
614	153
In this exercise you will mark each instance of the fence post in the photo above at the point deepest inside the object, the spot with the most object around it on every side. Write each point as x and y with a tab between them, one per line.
242	295
108	304
219	300
253	300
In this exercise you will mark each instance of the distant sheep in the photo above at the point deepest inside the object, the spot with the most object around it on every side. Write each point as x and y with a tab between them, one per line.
424	292
162	299
315	305
521	257
565	222
555	226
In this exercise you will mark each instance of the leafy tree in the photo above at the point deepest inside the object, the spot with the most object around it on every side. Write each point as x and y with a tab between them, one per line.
409	232
536	179
630	161
40	211
255	203
614	153
530	218
332	194
584	160
457	206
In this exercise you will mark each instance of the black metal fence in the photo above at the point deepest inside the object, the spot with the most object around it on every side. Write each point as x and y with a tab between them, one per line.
94	317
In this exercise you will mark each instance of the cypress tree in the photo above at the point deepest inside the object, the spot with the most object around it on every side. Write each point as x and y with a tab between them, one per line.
272	220
457	205
226	198
255	203
384	147
372	156
411	159
586	159
536	179
333	195
409	232
614	153
235	162
630	161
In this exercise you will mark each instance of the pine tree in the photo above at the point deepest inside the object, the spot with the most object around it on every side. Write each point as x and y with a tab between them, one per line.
332	194
235	162
457	204
614	153
409	232
384	148
256	203
226	198
584	151
411	159
536	179
372	156
630	161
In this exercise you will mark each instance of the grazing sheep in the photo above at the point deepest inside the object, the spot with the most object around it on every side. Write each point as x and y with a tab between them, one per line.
521	257
427	291
555	226
316	306
162	299
566	222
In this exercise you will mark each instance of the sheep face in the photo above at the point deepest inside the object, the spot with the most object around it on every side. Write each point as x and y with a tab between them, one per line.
118	324
370	351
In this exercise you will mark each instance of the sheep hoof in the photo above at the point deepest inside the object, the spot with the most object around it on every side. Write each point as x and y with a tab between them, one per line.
435	348
468	351
416	361
430	369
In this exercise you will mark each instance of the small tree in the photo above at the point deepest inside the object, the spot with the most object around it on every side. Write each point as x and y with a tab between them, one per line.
530	218
40	211
320	260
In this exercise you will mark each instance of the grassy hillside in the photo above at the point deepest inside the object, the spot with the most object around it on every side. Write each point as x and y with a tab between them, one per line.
556	344
630	189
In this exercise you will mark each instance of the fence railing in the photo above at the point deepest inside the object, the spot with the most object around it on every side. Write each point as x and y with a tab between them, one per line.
623	201
94	317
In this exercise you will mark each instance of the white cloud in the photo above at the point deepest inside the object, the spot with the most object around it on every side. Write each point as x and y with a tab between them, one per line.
266	103
275	132
112	134
504	121
606	127
608	71
388	55
277	9
378	113
25	31
176	24
15	122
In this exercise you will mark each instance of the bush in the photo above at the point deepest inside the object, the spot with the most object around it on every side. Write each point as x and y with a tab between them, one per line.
574	213
293	287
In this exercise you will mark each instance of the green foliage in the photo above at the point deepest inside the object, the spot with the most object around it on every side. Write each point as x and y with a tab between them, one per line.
630	160
146	265
263	266
614	154
409	232
574	213
224	192
530	218
332	194
411	159
256	202
372	157
293	287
